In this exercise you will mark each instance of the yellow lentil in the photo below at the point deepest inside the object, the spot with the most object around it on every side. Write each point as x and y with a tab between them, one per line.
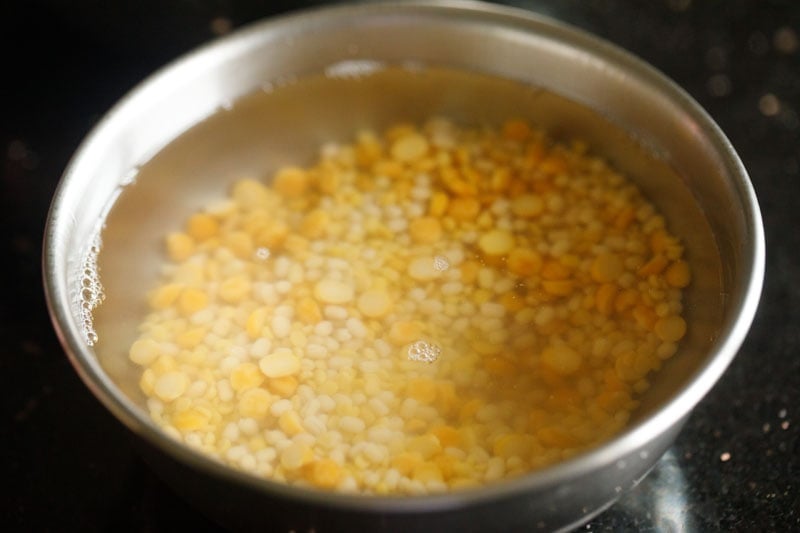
190	420
290	424
144	351
180	246
678	274
284	386
425	229
280	363
375	321
290	182
409	147
332	291
171	386
234	289
325	474
374	303
561	359
254	403
465	209
201	226
496	242
165	296
192	300
246	376
607	267
527	205
670	329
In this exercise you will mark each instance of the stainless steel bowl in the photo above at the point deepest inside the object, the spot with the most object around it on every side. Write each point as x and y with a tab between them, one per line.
569	81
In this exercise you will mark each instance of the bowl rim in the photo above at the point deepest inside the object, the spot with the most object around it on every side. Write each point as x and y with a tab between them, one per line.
670	414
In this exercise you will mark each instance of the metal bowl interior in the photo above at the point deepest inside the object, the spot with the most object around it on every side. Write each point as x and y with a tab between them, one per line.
181	138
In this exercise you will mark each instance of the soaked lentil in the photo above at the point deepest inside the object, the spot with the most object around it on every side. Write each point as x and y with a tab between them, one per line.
427	309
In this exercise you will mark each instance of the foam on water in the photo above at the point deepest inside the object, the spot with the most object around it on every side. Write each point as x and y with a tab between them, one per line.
262	253
91	292
424	351
441	263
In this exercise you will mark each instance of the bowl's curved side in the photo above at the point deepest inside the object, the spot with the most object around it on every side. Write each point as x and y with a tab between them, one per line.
560	507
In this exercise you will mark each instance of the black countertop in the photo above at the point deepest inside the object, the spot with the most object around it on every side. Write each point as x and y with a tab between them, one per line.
71	467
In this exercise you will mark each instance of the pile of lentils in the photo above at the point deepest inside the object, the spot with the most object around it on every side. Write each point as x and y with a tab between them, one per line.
428	309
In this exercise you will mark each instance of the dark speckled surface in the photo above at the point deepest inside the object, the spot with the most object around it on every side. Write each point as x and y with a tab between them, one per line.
71	467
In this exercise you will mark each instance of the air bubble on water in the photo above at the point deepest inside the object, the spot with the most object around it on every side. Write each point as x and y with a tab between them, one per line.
91	291
424	351
262	253
441	263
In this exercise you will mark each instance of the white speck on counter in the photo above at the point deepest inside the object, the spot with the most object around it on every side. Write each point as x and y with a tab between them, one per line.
782	413
725	457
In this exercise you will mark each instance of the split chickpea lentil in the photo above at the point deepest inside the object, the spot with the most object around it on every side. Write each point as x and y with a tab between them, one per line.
544	286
